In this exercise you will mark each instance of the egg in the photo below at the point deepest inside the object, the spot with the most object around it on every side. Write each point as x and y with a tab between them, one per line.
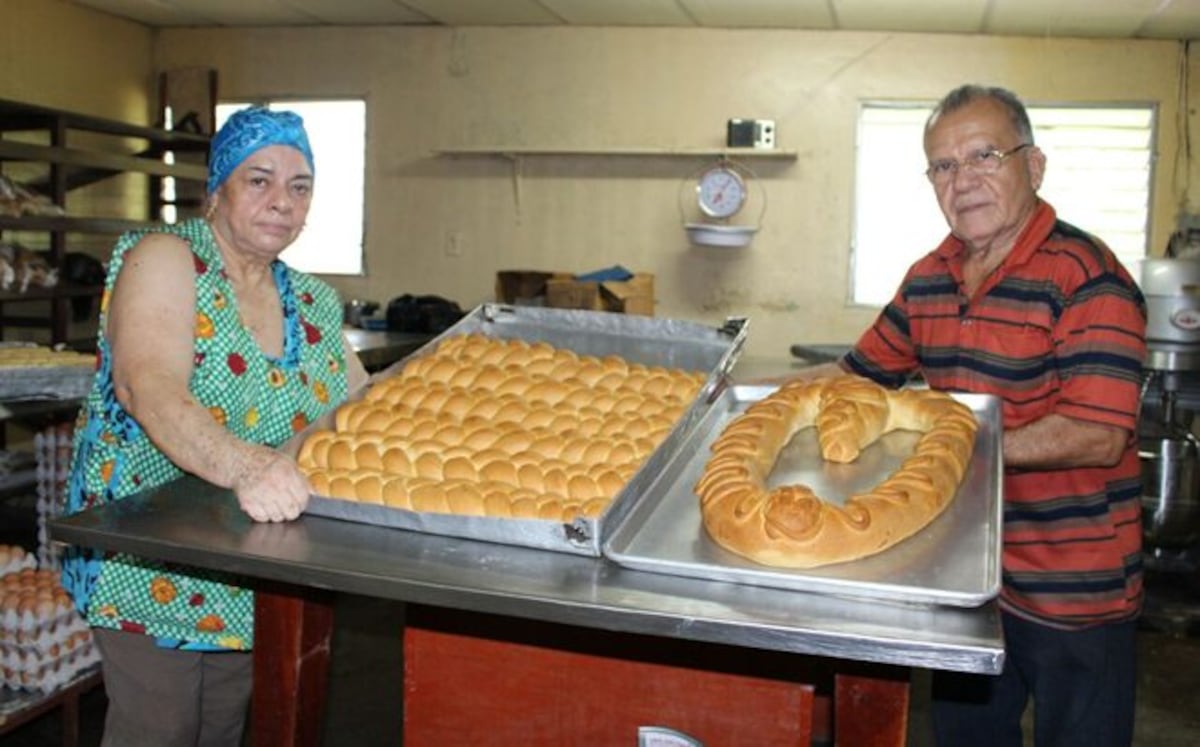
26	605
9	600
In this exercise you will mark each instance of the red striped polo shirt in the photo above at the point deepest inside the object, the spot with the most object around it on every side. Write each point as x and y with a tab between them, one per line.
1059	327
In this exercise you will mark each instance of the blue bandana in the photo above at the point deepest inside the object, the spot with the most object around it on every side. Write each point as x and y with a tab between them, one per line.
249	130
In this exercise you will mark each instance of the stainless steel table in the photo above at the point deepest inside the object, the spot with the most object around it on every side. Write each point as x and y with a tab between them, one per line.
380	349
194	523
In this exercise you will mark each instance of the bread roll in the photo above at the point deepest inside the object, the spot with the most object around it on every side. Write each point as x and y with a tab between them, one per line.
790	526
493	427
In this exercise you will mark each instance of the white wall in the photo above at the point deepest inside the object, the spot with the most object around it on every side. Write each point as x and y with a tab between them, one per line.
591	87
430	88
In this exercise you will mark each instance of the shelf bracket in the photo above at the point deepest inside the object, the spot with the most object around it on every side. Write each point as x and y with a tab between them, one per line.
518	165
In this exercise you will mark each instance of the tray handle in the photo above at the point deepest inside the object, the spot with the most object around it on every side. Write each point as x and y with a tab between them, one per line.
722	383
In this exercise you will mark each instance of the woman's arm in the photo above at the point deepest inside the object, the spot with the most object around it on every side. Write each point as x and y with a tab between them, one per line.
356	375
151	322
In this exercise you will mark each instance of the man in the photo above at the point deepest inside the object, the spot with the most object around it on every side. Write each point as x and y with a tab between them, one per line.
1018	304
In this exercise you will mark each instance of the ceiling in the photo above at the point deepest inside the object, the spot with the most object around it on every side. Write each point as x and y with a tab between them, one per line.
1151	19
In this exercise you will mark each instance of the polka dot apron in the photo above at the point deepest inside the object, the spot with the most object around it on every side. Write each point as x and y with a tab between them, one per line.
257	397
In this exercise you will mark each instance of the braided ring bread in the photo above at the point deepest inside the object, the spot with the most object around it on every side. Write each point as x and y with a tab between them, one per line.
790	526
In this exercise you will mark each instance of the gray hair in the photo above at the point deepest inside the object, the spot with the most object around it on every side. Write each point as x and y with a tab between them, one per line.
963	95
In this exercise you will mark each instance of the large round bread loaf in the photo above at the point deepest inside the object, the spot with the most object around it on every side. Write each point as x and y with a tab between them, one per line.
494	427
790	526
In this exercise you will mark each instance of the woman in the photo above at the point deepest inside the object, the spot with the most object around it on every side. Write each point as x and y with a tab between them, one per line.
211	353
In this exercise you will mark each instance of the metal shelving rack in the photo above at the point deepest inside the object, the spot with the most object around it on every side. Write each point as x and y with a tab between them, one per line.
112	148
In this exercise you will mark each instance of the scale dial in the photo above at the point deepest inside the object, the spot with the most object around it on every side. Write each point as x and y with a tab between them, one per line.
721	192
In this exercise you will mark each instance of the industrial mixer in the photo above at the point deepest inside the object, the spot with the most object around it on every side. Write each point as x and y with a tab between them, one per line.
1168	445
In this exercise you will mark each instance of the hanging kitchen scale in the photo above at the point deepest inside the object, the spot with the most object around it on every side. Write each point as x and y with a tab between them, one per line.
720	192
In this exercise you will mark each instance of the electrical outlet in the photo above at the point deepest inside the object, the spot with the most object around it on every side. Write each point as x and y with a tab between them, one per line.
454	244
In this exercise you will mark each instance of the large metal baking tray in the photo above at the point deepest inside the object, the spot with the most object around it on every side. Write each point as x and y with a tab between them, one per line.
45	382
661	342
954	561
27	383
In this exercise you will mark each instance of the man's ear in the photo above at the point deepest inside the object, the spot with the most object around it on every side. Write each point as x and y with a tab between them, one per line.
1037	167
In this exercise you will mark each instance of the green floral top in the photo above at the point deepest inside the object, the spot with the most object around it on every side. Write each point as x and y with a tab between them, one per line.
257	397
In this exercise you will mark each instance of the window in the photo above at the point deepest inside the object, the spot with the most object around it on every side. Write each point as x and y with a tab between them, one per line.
1097	178
332	240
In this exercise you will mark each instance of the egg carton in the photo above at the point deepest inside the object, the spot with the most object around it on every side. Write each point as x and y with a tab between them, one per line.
49	553
27	625
47	675
33	601
49	640
14	559
30	659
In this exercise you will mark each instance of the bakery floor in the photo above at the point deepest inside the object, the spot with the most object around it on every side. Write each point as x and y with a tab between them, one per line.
365	688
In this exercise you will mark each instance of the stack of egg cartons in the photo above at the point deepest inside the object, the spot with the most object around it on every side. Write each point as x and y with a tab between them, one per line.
44	643
52	449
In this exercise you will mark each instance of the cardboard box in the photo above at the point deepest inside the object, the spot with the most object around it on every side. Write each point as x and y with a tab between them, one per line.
523	287
561	290
633	296
565	292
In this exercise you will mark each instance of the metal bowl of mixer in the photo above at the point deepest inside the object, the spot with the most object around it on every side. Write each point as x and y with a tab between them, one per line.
1170	480
1170	400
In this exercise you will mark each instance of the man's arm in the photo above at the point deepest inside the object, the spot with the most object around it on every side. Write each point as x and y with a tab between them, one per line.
1059	442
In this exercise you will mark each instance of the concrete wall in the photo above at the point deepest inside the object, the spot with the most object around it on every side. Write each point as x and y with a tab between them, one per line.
594	87
433	88
67	57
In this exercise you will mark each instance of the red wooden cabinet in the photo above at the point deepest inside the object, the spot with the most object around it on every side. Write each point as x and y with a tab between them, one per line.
485	680
480	679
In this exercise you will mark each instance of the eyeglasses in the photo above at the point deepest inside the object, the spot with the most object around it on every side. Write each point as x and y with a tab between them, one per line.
981	162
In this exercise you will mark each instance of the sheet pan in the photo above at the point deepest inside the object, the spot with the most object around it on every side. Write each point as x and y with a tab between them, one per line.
663	342
42	382
27	383
953	561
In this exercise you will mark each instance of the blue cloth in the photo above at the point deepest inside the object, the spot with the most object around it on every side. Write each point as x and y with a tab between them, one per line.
616	272
249	130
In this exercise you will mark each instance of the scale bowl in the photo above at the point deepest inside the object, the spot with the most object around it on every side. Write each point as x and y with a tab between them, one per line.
705	234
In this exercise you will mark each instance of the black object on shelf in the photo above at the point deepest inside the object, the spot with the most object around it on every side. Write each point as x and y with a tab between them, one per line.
422	314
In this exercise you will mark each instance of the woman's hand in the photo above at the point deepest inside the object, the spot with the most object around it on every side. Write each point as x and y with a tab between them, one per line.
268	485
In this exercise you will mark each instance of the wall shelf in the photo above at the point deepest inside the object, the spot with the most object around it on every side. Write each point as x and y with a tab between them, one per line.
517	154
72	224
519	151
148	162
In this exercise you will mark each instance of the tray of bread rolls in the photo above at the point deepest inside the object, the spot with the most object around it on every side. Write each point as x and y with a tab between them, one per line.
36	372
521	425
952	560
